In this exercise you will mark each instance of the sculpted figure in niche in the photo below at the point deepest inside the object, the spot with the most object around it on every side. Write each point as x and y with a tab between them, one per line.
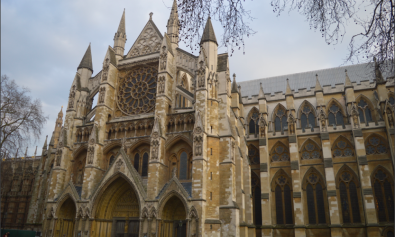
390	118
106	66
198	145
58	157
291	122
91	151
262	126
233	150
161	86
201	73
163	59
71	96
155	149
355	119
322	120
102	94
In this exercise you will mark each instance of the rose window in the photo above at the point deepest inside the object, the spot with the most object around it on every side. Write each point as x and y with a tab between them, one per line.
137	91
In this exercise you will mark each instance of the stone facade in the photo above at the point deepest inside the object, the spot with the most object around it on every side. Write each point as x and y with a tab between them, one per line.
174	148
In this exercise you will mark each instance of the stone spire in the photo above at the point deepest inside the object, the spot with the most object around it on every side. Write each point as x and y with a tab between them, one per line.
234	84
86	61
348	81
120	37
173	24
288	91
318	86
45	143
35	153
261	93
26	152
208	33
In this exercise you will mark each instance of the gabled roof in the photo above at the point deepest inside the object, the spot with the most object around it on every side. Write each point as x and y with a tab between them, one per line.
330	76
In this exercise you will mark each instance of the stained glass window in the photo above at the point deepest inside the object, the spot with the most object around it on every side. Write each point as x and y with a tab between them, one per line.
144	171
183	166
383	188
335	116
256	194
253	154
342	148
375	145
349	197
137	90
365	114
253	125
279	152
392	100
280	119
283	198
310	150
315	198
307	117
137	162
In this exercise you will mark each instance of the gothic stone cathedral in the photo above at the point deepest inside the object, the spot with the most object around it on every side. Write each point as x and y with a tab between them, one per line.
173	147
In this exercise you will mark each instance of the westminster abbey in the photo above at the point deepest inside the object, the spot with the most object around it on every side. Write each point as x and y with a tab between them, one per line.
176	147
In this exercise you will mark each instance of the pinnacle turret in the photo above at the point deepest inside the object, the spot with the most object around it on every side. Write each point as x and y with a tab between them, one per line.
234	84
45	143
121	27
261	94
86	61
288	91
173	24
348	81
318	86
208	33
120	37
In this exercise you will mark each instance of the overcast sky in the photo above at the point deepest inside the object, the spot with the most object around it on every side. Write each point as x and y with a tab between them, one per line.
43	41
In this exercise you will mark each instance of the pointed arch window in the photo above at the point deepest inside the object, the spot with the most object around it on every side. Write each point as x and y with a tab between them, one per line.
136	162
283	198
342	148
383	189
376	145
307	118
253	125
335	116
279	153
256	194
310	150
365	115
392	100
314	187
280	119
253	154
349	199
144	169
183	166
112	159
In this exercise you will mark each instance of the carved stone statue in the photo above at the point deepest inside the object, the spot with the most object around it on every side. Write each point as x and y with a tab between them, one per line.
161	84
355	120
102	94
390	118
106	66
262	126
91	152
198	145
322	120
163	58
201	73
155	149
174	172
291	124
233	150
58	157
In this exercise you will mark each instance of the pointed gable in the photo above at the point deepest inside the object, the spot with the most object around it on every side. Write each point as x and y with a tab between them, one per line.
149	41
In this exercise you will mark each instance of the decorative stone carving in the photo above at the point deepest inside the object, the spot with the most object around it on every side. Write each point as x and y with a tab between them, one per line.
91	153
201	73
91	148
163	58
71	97
58	157
106	66
354	115
102	94
51	213
161	85
155	149
118	164
174	172
291	124
390	118
198	141
233	150
148	42
198	135
262	126
322	118
155	136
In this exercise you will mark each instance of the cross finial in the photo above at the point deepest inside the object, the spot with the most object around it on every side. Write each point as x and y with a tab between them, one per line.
150	15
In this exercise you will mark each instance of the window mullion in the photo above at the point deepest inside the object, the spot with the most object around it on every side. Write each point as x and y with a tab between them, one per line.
315	204
349	203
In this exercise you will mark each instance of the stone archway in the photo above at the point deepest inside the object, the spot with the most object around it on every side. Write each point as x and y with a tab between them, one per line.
66	219
173	223
117	211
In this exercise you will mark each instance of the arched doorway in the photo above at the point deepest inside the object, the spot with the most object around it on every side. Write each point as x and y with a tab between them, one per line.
117	211
66	219
174	219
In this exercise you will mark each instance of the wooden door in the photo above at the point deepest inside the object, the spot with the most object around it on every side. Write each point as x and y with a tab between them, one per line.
180	228
67	228
133	228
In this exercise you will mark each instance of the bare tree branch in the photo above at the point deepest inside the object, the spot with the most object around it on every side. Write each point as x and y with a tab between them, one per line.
21	117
